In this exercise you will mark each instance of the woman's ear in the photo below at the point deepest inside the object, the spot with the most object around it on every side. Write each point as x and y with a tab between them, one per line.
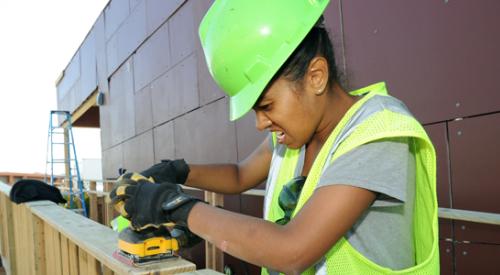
317	75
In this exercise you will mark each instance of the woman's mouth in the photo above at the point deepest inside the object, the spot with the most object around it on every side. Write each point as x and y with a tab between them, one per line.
280	136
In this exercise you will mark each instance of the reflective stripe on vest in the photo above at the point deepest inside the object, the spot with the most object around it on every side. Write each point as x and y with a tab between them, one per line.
380	117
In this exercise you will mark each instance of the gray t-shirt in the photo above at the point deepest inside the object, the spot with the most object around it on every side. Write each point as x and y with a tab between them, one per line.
384	232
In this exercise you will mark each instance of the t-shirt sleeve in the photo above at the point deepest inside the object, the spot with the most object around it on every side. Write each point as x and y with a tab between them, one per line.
385	166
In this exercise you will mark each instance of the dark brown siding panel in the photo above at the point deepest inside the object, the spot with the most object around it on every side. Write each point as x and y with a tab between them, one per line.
121	104
333	24
477	232
437	134
127	38
252	205
88	66
152	58
164	142
205	135
143	110
475	159
248	136
66	87
209	90
182	27
138	152
115	12
477	259
440	57
158	11
112	160
101	67
176	92
446	257
133	4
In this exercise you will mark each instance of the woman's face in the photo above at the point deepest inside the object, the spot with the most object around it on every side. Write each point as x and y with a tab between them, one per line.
288	109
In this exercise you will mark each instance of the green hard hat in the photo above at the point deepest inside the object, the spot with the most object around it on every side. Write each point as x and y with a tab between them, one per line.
246	41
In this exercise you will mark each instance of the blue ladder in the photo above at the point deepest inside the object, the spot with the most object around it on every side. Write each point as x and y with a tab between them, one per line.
69	159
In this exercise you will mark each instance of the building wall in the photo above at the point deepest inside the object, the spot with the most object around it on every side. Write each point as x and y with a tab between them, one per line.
440	57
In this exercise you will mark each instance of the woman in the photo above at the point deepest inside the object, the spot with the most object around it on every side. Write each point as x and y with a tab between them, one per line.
350	176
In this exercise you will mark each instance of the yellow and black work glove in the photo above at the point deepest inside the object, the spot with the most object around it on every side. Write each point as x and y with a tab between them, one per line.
117	196
174	171
151	205
184	236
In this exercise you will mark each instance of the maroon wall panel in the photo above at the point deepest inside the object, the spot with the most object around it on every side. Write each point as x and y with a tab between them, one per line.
440	57
152	59
446	257
205	135
477	259
438	135
475	162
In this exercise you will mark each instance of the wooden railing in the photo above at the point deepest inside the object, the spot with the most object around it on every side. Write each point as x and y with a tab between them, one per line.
44	238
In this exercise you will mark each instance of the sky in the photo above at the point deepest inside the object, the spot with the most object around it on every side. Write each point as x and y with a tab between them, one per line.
38	39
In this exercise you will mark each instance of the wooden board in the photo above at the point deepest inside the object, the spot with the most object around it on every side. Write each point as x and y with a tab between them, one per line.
100	241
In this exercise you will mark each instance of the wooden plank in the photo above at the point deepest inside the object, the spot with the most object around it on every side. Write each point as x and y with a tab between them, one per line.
214	258
202	272
92	201
22	266
100	241
39	246
106	270
73	258
49	248
109	210
56	238
5	188
64	255
82	261
8	229
471	216
93	266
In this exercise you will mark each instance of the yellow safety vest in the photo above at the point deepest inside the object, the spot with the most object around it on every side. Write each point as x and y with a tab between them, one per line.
342	258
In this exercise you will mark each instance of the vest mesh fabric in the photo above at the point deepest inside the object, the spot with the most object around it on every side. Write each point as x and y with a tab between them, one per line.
342	258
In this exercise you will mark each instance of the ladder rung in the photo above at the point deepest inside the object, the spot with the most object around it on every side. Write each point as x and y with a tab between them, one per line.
62	143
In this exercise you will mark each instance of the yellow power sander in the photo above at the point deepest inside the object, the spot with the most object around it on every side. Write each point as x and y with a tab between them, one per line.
151	245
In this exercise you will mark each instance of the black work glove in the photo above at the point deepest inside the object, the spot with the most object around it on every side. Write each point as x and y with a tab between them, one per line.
184	236
174	171
151	205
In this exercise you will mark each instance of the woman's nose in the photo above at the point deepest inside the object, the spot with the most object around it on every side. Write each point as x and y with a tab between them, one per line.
262	122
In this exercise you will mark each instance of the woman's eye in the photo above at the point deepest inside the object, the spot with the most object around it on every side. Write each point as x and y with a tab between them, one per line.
265	107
